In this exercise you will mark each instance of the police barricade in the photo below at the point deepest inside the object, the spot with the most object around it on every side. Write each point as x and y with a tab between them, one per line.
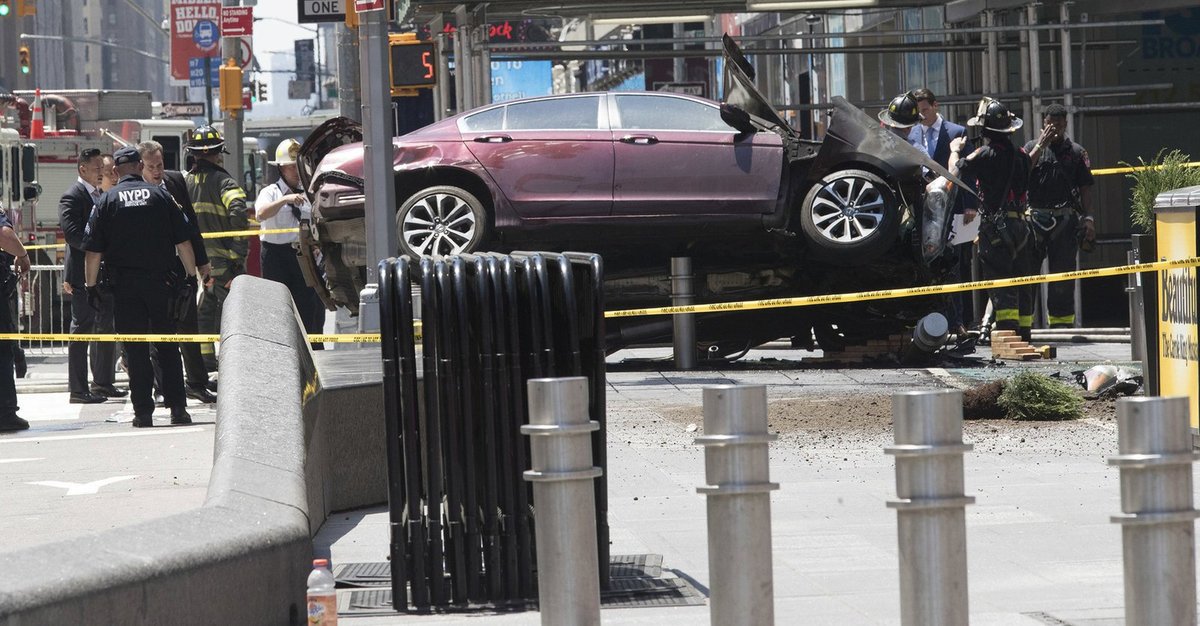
462	517
42	308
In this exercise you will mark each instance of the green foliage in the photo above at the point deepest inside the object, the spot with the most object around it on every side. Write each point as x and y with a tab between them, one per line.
1164	173
1034	396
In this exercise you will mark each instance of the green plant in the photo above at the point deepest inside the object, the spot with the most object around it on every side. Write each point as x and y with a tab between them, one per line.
1166	172
1034	396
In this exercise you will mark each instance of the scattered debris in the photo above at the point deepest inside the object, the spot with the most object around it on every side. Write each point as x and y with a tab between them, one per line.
691	428
983	401
1109	380
1035	396
1006	344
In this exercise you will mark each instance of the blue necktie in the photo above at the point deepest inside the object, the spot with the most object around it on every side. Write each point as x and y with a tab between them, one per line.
930	141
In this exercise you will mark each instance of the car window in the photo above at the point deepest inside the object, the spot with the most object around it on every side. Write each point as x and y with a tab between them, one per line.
492	119
666	113
558	114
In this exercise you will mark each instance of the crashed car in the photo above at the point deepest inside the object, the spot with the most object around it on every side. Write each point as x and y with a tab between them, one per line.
643	177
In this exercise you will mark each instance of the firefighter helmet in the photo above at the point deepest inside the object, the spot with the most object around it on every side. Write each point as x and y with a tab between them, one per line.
205	139
993	115
901	112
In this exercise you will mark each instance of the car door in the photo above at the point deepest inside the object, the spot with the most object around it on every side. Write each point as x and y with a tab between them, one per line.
550	157
676	156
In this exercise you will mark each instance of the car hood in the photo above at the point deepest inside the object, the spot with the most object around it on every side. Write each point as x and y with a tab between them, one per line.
332	133
739	86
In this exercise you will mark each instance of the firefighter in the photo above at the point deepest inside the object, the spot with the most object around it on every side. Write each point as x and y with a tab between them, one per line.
1058	208
136	228
220	205
1006	246
901	115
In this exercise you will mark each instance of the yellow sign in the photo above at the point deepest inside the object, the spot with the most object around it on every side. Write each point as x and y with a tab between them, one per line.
1178	343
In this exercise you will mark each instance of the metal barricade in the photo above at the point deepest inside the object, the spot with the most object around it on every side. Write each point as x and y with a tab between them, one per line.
42	307
462	516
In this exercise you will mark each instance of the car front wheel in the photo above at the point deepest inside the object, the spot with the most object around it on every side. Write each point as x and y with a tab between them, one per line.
440	221
850	217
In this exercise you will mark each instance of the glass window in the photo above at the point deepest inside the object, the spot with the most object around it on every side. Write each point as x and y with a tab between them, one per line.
492	119
557	114
665	113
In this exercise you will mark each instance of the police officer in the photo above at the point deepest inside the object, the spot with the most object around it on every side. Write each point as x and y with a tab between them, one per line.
14	256
901	114
282	205
220	205
137	229
1001	170
1058	208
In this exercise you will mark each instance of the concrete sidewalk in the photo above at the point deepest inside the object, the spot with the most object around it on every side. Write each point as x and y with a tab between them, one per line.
1040	546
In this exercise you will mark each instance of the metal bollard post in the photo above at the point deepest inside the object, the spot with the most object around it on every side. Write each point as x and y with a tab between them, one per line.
930	507
683	293
1154	441
561	455
739	504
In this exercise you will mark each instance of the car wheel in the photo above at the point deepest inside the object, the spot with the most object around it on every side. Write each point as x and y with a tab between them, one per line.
850	217
440	221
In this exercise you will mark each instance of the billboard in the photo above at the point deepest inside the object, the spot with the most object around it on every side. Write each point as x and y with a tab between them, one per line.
521	79
195	33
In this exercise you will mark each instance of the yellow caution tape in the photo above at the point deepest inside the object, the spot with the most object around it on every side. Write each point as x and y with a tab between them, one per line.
1138	168
250	232
720	307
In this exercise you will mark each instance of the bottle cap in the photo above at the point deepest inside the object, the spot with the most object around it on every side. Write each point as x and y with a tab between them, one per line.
320	562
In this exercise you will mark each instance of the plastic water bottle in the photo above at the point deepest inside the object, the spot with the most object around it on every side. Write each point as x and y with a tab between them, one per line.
322	599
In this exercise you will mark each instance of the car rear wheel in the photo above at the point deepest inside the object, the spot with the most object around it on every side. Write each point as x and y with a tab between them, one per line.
850	217
440	221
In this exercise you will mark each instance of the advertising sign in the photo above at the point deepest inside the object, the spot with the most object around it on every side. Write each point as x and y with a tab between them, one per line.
521	79
195	33
1178	343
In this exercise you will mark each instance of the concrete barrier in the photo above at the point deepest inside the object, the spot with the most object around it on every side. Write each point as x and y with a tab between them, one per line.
244	556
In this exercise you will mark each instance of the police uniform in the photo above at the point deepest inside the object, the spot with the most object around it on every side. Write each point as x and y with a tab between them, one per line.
136	226
220	205
8	387
1054	202
1001	172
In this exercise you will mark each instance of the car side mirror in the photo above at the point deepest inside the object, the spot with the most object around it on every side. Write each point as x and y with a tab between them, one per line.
32	191
738	118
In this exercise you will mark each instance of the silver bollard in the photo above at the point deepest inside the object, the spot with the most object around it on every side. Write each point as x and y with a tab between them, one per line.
930	507
683	293
1158	530
560	449
739	504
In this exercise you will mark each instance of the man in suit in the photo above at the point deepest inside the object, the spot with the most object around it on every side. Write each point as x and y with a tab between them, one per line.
73	210
934	133
156	173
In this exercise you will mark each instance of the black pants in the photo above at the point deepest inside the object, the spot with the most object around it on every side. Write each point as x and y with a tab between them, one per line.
193	362
8	324
1006	250
85	319
140	306
280	264
1056	241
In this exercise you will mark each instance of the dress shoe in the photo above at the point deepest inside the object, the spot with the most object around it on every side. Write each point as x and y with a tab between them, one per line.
109	391
87	398
202	394
180	416
212	386
11	423
143	421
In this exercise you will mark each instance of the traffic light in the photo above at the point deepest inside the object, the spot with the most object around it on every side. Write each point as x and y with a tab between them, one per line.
5	7
26	8
24	59
231	86
262	92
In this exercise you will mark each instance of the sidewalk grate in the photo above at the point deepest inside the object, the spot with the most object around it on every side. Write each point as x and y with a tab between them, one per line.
628	593
363	575
635	565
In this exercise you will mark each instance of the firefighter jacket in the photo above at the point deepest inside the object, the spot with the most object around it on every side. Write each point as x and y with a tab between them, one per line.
220	205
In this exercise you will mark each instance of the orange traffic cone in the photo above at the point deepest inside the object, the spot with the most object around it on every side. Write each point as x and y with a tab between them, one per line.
37	125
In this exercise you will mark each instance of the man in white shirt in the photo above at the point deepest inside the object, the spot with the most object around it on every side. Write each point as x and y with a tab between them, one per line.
283	205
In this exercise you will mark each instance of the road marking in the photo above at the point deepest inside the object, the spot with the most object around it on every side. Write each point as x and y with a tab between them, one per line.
33	458
143	433
82	489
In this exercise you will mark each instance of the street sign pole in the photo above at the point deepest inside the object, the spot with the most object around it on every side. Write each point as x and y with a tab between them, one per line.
231	48
377	148
348	91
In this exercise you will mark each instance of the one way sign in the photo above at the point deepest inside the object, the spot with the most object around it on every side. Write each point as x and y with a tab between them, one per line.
313	11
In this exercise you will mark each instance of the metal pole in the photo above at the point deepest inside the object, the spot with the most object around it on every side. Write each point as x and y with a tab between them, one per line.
460	59
1067	79
208	103
1137	314
682	294
348	93
738	490
1154	442
1035	73
992	84
930	507
446	106
1024	46
231	48
377	156
560	447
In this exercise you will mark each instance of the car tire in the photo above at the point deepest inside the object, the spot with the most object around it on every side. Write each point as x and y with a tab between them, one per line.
440	221
850	217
